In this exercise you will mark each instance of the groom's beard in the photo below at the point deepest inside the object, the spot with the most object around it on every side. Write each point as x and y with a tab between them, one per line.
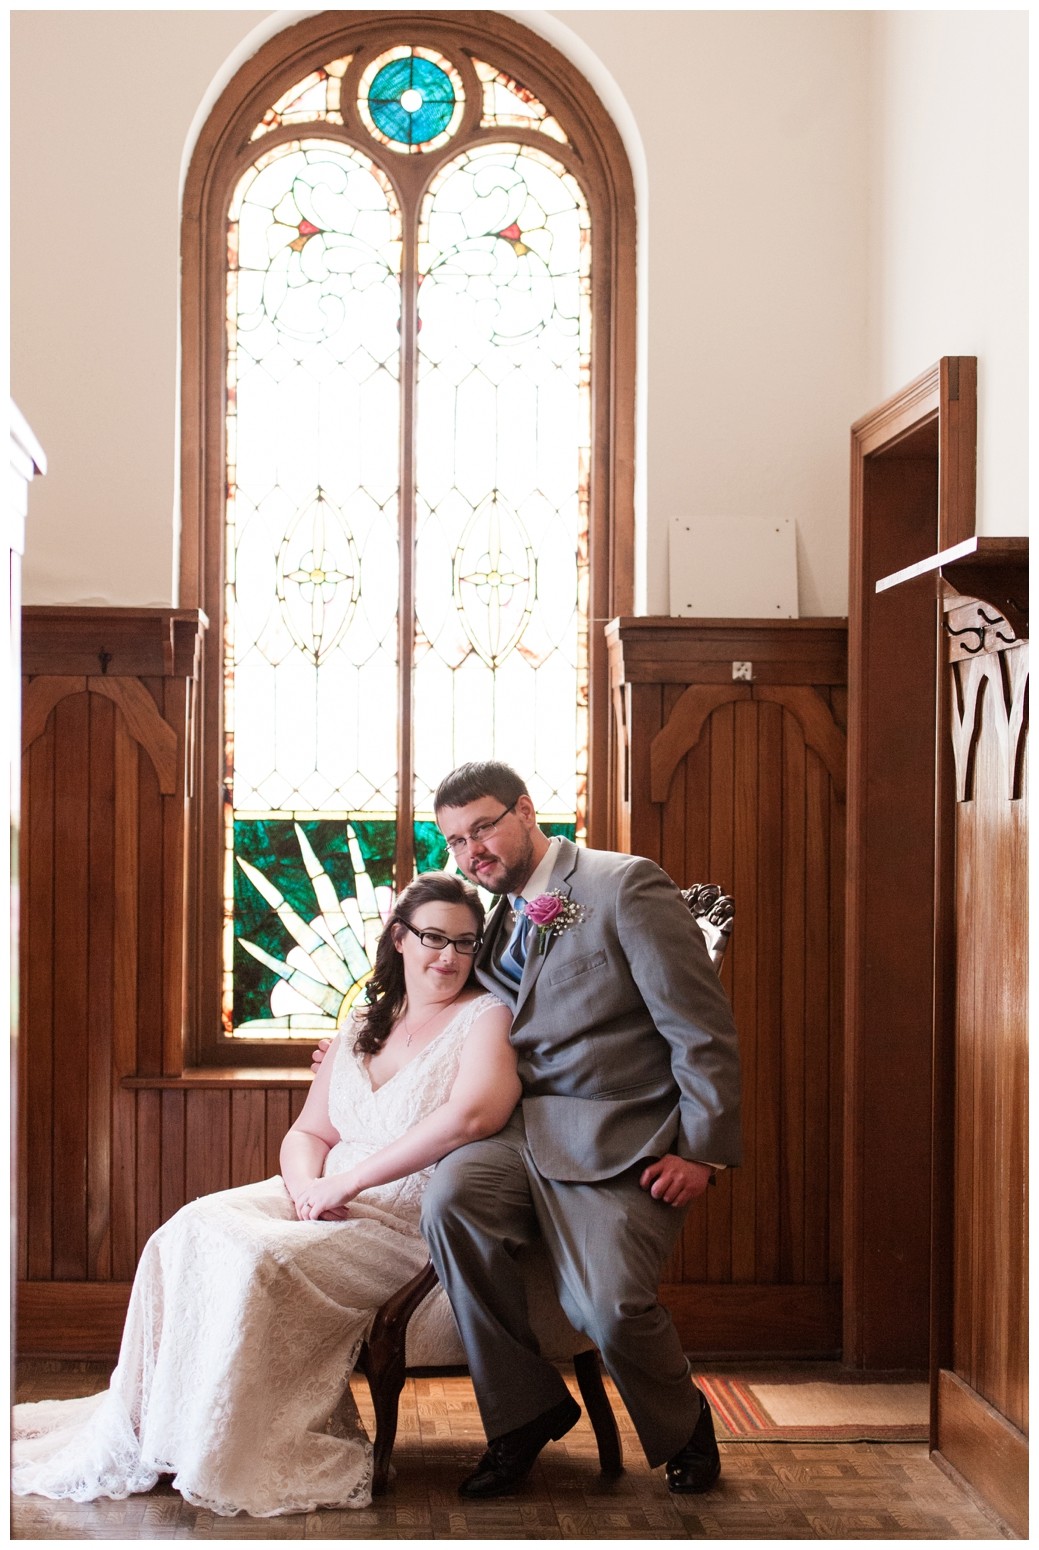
501	876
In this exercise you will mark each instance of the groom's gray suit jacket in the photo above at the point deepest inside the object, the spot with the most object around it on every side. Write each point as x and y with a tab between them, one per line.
627	1048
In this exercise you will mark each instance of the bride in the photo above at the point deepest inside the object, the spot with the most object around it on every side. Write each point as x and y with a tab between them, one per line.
249	1306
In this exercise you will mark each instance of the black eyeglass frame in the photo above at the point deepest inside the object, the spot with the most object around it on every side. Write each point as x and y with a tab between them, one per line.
445	940
480	831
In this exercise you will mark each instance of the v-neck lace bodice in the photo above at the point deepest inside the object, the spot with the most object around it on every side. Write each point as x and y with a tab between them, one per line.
368	1117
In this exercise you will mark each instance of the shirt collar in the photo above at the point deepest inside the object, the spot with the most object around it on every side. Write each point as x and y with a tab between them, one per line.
541	876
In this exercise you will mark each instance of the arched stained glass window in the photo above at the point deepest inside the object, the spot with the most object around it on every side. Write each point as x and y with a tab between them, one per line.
410	554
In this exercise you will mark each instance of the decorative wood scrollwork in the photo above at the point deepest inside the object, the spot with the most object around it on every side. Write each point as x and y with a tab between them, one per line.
990	698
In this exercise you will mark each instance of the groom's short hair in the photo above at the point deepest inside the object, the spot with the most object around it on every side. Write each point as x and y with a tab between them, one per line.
482	778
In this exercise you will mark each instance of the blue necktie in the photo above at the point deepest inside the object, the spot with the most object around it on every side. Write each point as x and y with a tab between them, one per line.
515	954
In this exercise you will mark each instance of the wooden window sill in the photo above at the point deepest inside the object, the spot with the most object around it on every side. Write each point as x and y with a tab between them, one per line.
226	1076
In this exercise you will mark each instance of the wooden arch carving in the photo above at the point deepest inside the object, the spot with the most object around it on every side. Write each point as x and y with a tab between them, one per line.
142	716
684	726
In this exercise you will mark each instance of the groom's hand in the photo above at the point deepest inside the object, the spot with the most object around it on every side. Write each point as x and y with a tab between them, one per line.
318	1055
674	1180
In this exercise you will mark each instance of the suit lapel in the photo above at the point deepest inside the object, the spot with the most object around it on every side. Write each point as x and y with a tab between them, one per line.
566	863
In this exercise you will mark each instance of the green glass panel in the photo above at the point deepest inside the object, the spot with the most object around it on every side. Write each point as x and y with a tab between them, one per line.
272	848
430	849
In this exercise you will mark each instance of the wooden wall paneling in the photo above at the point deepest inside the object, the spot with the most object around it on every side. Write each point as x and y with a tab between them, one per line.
772	1031
278	1120
985	1449
248	1138
175	693
718	746
207	1142
979	1292
990	1212
837	929
147	1181
820	1028
150	957
98	1030
127	1184
173	1140
957	449
71	1022
36	992
796	1092
645	824
740	798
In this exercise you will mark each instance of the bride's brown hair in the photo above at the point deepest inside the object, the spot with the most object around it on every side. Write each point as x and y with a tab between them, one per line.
385	992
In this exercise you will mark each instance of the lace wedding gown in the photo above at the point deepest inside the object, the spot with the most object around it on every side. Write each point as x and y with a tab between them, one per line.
244	1325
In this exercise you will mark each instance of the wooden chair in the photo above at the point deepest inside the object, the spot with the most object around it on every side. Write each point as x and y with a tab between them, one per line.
415	1327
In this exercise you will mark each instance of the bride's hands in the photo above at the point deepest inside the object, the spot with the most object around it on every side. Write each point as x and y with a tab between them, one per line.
326	1199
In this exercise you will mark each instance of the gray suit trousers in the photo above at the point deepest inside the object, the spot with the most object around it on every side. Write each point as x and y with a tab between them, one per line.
607	1242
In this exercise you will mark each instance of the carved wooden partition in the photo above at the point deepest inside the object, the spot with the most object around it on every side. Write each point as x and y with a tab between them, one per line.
730	769
113	1138
981	1367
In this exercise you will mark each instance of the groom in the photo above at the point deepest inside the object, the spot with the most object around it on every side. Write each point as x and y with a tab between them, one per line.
630	1071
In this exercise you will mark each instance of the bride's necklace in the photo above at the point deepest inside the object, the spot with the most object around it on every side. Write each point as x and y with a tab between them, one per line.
411	1032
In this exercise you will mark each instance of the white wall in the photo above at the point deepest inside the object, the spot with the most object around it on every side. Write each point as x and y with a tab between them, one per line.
764	159
101	102
949	259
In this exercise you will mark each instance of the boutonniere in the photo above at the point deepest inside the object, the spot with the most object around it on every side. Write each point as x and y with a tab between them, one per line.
552	913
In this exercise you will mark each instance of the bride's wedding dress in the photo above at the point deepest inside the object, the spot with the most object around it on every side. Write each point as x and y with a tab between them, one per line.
244	1325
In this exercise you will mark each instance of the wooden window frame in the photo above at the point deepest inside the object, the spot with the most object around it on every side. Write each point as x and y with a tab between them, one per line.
220	154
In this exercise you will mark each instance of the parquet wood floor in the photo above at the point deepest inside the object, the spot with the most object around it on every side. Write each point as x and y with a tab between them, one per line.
767	1490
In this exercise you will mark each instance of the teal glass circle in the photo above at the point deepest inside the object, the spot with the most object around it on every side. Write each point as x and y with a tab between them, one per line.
411	126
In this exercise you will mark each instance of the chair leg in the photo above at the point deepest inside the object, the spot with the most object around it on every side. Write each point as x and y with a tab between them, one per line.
589	1380
383	1361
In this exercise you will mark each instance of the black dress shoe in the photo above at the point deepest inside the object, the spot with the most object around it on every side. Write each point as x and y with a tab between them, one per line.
697	1466
509	1458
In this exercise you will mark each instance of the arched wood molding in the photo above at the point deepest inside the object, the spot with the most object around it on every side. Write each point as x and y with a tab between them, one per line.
684	728
142	716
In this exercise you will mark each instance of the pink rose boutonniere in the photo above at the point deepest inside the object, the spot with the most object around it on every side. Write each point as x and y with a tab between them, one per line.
552	913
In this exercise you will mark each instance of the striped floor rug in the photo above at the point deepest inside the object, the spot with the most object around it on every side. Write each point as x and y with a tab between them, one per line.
817	1403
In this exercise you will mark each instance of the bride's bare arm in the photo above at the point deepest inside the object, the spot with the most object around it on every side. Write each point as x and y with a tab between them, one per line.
311	1136
484	1094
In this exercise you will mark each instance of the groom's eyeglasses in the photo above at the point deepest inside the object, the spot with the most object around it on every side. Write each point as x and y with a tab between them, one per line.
437	941
478	833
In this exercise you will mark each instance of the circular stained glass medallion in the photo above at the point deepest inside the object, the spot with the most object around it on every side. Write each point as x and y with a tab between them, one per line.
411	101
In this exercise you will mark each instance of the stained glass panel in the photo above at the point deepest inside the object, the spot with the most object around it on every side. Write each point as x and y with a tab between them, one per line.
503	417
316	717
316	99
411	99
313	475
508	105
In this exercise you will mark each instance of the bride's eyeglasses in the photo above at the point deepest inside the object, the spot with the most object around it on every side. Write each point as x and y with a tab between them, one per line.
437	941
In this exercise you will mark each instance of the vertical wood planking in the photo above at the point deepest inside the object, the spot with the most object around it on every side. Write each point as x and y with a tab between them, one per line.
794	930
719	868
247	1147
36	1031
71	925
171	694
207	1141
172	1184
148	1177
837	924
745	987
102	885
132	1193
150	961
821	1035
278	1121
770	1031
